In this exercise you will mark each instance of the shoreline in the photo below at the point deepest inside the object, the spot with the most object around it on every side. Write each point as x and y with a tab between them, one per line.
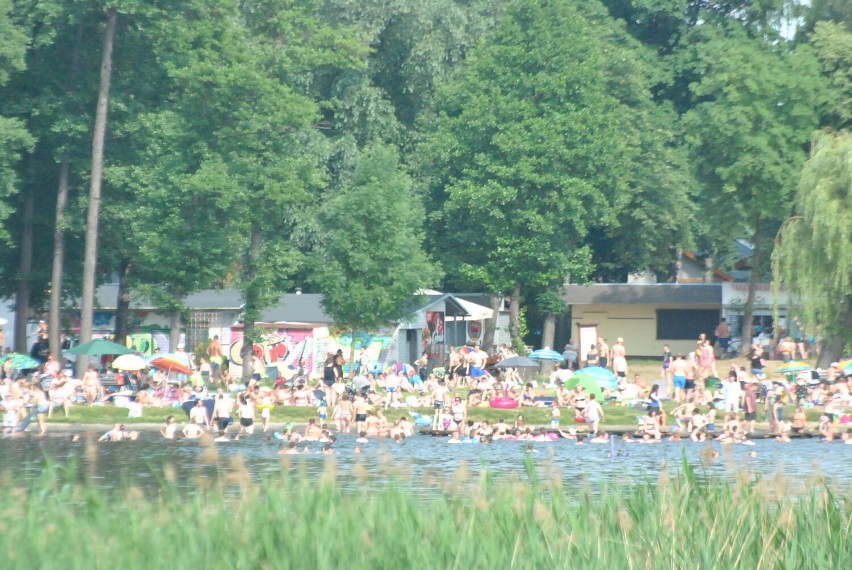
616	430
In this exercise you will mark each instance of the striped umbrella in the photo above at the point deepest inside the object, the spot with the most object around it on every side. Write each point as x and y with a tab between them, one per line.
794	366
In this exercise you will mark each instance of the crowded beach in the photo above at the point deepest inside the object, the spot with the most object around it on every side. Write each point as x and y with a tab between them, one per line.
689	399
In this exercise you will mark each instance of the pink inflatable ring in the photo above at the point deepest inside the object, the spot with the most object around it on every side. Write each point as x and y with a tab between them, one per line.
503	403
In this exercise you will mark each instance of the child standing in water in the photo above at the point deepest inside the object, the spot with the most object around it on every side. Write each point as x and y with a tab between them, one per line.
322	410
265	411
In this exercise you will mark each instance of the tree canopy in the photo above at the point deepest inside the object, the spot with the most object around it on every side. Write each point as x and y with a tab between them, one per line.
813	257
371	259
526	142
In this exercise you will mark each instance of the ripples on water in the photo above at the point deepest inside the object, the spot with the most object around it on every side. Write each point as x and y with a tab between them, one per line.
427	464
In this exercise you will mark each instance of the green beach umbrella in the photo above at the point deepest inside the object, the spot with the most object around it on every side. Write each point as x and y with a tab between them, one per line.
20	361
99	347
586	382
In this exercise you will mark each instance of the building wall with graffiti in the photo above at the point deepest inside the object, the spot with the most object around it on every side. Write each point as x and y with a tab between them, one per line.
288	350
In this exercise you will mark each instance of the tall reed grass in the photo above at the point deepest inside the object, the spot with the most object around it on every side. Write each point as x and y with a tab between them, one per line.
290	522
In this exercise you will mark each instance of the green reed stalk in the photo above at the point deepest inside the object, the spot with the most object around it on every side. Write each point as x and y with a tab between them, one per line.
291	522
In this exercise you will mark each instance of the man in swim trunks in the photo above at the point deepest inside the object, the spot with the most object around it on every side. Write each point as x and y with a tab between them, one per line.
222	413
618	349
750	405
476	360
603	352
391	385
360	405
678	370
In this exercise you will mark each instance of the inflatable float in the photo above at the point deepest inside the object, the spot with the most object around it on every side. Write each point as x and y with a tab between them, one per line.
503	403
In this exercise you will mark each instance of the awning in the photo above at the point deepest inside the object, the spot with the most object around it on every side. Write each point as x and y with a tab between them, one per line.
474	312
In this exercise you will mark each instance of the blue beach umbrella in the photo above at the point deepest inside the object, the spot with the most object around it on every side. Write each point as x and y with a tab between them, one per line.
545	355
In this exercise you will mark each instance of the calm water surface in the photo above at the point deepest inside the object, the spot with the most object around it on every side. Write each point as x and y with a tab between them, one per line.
426	463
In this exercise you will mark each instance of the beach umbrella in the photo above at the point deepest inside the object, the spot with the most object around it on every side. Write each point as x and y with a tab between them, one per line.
517	362
590	385
794	366
20	361
403	368
129	362
99	347
546	355
168	363
602	377
468	349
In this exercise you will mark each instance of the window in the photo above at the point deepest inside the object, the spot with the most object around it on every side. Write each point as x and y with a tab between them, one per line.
686	324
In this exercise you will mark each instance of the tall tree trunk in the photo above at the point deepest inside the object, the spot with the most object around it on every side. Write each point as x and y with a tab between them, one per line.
489	327
87	302
122	303
515	317
831	349
54	320
548	331
25	268
174	330
748	311
708	269
251	297
352	354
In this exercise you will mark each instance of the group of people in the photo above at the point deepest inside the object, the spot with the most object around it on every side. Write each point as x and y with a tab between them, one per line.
598	354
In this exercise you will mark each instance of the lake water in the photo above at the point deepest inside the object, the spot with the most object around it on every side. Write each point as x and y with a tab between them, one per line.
426	463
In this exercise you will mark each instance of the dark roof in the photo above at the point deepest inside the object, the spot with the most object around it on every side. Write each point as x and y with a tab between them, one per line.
292	308
303	308
654	294
215	299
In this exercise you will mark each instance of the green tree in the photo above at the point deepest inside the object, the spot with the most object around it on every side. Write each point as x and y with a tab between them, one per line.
239	142
371	261
833	43
14	141
753	109
813	257
536	152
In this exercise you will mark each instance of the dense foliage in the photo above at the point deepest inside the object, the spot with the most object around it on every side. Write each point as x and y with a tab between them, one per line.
513	143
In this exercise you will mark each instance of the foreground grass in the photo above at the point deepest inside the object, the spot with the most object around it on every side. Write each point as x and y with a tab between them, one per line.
293	523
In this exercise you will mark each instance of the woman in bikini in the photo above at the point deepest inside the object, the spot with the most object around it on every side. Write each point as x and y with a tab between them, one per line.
343	414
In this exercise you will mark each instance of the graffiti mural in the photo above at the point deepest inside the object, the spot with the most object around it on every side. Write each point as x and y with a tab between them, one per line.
286	348
148	341
378	348
292	349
